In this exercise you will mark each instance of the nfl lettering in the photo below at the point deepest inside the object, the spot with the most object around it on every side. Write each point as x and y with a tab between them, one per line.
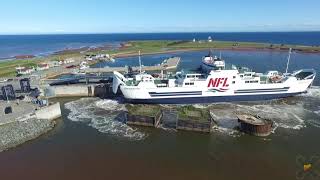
218	82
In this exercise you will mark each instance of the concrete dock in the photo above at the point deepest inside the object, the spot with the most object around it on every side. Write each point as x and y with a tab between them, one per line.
168	64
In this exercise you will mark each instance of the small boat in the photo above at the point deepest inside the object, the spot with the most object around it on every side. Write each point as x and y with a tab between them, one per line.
210	62
84	65
78	73
255	125
112	59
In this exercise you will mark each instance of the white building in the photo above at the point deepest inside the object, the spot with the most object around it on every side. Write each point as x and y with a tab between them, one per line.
54	63
68	60
23	70
42	66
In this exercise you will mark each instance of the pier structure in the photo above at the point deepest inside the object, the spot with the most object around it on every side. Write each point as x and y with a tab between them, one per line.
94	81
168	64
185	118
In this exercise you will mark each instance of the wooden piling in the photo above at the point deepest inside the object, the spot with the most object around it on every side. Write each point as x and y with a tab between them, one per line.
255	125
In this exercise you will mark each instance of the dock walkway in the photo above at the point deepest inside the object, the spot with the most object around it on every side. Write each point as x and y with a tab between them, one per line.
168	64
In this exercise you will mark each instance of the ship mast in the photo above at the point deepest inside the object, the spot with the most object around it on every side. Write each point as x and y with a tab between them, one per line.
289	56
140	61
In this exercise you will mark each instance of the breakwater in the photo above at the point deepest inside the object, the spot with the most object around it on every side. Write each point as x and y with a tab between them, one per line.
26	127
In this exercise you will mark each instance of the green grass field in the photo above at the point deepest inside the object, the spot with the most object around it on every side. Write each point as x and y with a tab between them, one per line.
143	110
192	113
7	68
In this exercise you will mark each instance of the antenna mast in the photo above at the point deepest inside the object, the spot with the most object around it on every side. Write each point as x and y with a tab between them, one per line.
289	56
140	61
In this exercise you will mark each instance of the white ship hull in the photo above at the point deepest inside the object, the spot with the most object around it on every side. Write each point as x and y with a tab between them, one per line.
218	86
205	67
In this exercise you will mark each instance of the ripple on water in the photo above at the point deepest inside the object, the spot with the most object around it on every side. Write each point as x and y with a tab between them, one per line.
103	115
284	116
316	120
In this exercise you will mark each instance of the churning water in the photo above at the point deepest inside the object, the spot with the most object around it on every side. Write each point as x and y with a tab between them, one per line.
103	115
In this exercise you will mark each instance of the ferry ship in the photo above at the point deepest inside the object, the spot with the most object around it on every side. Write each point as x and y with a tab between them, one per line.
218	85
210	62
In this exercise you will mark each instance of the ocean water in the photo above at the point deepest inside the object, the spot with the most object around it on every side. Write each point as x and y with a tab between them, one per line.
41	45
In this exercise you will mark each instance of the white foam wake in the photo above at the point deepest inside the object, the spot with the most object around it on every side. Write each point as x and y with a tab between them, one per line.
225	119
110	105
317	111
103	115
316	120
284	116
313	92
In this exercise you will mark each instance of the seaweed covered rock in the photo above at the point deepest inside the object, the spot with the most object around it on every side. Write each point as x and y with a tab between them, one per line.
194	119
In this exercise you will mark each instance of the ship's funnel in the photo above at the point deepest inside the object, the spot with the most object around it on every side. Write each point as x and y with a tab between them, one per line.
118	79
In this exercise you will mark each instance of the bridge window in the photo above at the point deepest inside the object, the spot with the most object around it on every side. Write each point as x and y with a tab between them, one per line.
251	81
189	83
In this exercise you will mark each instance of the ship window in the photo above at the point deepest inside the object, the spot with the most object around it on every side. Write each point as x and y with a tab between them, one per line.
233	82
251	81
191	83
241	75
234	77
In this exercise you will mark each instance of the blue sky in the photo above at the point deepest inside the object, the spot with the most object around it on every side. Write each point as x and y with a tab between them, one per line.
121	16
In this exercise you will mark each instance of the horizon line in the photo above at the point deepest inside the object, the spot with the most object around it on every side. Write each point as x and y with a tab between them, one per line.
160	32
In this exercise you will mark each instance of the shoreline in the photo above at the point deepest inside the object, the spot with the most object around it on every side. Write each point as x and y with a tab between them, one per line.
123	55
108	46
29	134
62	51
134	54
148	47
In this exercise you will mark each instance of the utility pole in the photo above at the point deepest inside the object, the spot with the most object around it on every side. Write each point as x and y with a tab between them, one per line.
288	61
140	61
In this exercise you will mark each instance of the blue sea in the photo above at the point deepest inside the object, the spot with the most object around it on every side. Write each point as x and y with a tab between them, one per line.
42	45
